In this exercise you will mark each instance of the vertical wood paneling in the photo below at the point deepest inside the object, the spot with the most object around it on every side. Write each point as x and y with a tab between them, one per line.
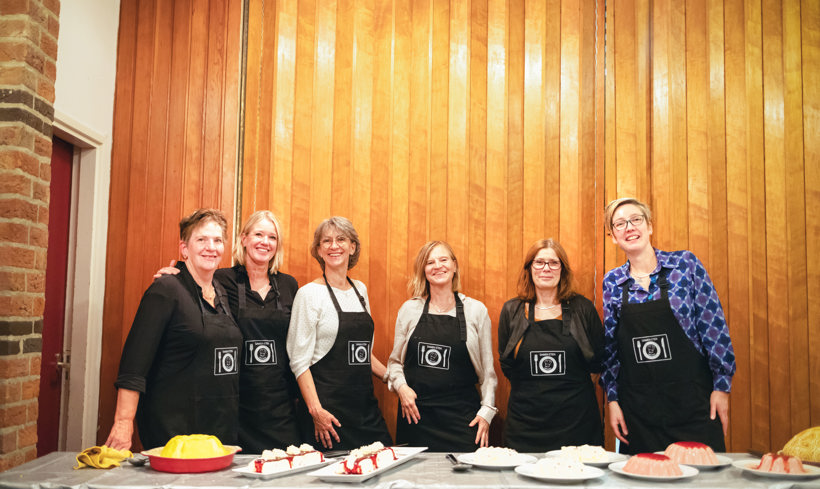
174	148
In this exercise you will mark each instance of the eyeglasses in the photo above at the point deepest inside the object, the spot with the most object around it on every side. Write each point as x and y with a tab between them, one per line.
634	220
328	241
540	264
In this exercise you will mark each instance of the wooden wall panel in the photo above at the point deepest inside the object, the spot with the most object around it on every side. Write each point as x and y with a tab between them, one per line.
175	148
732	172
471	122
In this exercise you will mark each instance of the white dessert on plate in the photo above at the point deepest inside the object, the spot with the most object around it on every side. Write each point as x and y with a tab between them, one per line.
495	456
367	459
584	454
277	460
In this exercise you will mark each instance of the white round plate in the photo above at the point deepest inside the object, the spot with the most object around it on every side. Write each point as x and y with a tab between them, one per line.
747	464
513	462
589	473
612	457
618	468
723	461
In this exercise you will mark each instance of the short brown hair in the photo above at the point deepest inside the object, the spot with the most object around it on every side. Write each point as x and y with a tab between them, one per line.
610	209
258	216
198	217
526	286
418	286
345	227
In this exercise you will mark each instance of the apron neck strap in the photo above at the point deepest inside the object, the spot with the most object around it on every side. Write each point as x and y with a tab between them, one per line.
661	281
462	320
240	289
333	296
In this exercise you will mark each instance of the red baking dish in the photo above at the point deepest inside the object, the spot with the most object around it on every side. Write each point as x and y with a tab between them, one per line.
189	465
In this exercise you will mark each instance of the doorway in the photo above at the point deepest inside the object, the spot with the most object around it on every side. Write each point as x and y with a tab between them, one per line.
54	364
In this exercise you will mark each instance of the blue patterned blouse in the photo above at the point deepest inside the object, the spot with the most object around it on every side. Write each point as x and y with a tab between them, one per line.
695	304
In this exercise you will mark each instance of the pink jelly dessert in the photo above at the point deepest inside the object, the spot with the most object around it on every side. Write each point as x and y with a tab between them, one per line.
652	464
691	452
781	464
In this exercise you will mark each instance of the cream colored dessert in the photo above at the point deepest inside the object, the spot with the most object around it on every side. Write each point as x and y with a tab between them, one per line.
779	464
585	454
495	456
560	467
277	460
367	459
652	464
691	452
804	445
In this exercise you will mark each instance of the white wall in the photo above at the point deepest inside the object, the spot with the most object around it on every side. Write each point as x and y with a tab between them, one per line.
83	115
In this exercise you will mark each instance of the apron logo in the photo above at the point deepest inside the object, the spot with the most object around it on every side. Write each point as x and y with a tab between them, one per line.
225	361
358	353
548	363
653	348
434	356
260	352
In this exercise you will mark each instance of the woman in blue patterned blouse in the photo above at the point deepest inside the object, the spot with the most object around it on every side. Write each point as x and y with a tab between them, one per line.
669	359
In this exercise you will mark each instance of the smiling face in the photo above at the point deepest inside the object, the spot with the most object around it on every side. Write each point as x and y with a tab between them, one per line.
632	239
261	242
546	278
440	267
204	248
335	249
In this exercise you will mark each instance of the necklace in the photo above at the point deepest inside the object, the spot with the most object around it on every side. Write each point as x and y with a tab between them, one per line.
547	308
639	276
209	294
443	309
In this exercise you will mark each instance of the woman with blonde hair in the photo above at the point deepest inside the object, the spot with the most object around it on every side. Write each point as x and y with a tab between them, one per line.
551	341
669	358
442	349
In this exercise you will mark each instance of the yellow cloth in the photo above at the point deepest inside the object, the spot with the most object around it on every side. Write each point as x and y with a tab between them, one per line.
101	457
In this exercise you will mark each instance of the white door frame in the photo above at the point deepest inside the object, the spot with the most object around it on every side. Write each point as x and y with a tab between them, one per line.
85	280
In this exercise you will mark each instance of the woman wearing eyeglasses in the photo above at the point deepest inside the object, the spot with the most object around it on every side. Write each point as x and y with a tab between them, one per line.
669	359
551	342
329	343
442	350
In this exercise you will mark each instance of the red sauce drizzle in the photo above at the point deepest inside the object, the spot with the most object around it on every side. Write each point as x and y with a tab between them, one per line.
653	456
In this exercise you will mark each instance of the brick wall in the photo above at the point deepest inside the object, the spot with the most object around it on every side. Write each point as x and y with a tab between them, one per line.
28	55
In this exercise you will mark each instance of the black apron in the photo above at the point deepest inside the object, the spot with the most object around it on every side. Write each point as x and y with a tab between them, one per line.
203	397
552	399
344	383
267	417
438	368
664	383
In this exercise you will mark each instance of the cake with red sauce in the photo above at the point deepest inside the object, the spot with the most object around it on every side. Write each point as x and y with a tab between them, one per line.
367	459
780	464
653	464
691	452
278	460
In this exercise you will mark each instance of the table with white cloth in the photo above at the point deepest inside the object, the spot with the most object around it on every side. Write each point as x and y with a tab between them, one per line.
426	471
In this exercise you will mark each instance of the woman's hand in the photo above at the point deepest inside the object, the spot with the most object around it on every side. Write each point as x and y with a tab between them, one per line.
409	410
719	404
121	433
323	429
616	421
483	433
169	270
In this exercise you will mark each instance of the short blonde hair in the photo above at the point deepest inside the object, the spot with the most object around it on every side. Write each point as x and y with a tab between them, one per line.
418	286
526	286
239	251
200	216
345	227
610	209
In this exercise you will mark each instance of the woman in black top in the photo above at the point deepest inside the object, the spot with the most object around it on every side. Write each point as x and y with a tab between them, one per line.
260	298
551	341
180	363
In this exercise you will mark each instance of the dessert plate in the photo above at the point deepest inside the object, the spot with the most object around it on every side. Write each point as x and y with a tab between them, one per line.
723	461
747	464
612	457
618	468
328	472
249	472
507	463
529	470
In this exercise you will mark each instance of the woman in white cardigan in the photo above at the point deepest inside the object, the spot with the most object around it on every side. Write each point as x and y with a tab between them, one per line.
441	352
